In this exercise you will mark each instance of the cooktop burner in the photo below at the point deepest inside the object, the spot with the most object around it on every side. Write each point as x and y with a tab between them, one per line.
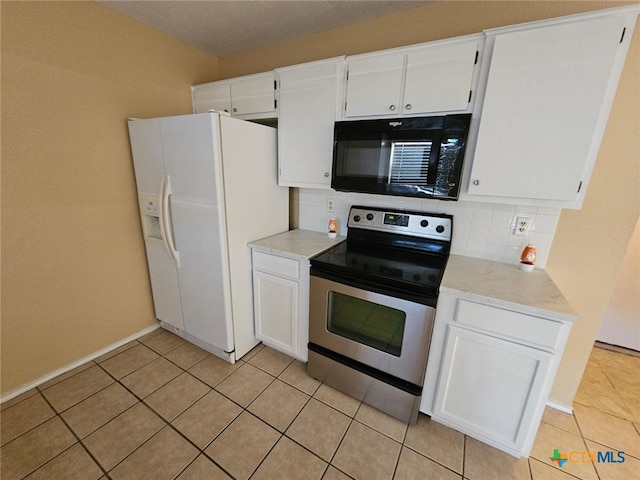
401	251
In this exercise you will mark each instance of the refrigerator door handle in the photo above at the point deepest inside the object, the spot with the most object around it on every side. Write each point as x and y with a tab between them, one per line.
166	221
163	232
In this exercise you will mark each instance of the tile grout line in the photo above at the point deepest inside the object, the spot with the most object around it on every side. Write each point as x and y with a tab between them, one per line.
78	440
40	391
529	462
352	419
139	401
244	409
282	434
212	388
168	423
464	453
615	389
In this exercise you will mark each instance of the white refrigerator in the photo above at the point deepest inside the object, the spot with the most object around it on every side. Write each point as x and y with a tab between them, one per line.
207	186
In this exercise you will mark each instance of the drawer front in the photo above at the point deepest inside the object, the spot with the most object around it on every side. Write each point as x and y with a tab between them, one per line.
281	266
526	329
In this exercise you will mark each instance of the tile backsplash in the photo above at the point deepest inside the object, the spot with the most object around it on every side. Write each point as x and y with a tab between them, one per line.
483	230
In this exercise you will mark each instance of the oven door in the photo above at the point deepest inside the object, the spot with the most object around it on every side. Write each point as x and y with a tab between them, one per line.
386	333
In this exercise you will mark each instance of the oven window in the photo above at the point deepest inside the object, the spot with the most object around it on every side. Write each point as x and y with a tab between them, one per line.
365	322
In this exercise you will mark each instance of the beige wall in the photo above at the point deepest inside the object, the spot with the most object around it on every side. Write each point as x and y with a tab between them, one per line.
590	243
621	321
74	276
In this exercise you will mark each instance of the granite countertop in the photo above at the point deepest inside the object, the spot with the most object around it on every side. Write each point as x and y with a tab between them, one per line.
298	244
503	284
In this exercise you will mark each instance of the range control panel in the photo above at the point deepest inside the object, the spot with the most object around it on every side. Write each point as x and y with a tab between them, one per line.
418	224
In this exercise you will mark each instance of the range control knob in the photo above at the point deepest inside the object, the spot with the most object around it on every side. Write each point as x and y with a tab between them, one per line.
424	223
356	218
439	229
369	216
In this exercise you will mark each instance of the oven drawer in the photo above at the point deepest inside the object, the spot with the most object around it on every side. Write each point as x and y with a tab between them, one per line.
280	266
383	332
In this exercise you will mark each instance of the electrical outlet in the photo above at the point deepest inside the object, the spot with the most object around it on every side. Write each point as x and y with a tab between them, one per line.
331	205
521	226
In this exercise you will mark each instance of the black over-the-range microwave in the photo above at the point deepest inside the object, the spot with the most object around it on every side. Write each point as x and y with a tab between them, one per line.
411	157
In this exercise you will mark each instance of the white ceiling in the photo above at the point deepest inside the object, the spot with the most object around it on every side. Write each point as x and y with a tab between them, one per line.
223	27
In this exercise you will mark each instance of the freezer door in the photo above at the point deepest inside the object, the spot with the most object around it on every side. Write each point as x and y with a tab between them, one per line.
164	284
146	148
197	213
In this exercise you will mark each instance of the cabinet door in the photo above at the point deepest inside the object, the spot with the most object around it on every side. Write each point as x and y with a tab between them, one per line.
374	85
490	388
253	95
439	78
545	93
307	112
212	96
276	311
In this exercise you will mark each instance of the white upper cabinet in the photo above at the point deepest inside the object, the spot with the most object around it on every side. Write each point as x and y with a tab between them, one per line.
249	97
549	90
211	96
255	94
309	95
439	79
374	85
419	80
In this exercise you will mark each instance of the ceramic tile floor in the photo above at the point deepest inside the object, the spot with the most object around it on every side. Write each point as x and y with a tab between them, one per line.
160	408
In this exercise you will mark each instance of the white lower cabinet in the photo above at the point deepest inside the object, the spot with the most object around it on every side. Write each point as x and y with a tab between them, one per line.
496	367
278	306
490	387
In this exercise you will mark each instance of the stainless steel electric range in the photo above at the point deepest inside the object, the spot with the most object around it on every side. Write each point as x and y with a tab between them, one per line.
372	306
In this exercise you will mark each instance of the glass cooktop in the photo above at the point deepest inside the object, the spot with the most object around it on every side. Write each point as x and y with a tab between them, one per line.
416	272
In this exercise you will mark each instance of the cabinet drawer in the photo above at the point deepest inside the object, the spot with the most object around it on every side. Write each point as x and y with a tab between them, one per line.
527	329
283	267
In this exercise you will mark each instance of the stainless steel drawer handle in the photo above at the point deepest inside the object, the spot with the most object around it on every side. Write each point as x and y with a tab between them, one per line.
408	106
326	174
392	107
476	182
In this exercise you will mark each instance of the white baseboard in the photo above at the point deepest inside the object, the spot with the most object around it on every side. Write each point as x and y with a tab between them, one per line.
560	406
28	386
